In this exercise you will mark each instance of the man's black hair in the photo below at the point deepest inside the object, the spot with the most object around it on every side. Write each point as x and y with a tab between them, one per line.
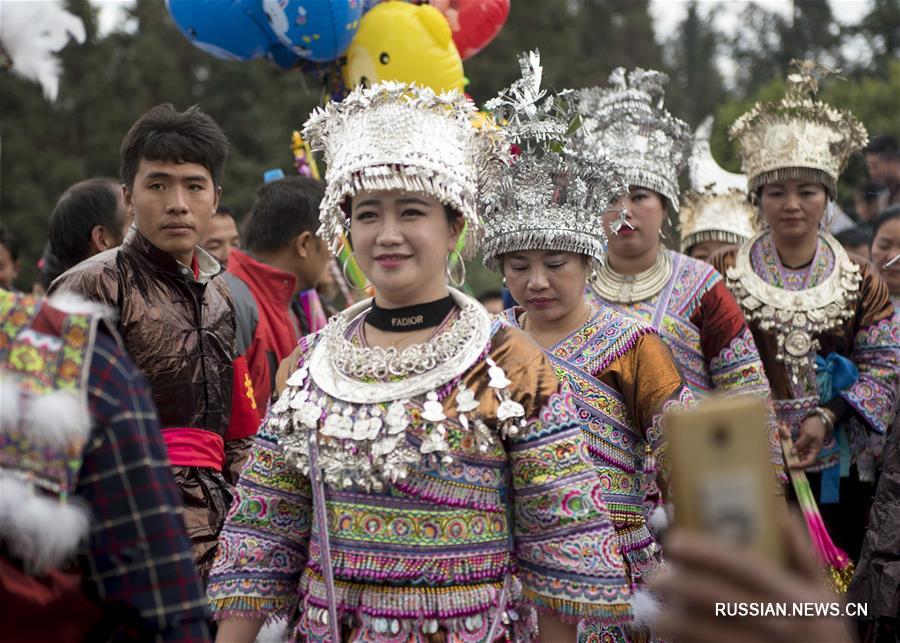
852	237
889	214
490	294
82	207
870	192
884	145
51	268
8	239
224	211
164	134
283	210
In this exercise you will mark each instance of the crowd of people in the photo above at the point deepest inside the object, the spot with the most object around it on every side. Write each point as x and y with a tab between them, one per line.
209	431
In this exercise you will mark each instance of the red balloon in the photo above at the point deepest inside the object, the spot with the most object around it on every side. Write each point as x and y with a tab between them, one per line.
474	23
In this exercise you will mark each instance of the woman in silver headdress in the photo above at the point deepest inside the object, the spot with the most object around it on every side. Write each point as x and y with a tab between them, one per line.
541	232
824	324
685	300
715	213
422	476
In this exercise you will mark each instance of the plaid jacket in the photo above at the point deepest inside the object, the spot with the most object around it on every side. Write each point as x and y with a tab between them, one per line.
138	561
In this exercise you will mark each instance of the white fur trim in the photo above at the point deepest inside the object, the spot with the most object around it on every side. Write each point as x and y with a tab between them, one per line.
69	302
273	632
10	413
39	529
58	419
659	520
646	608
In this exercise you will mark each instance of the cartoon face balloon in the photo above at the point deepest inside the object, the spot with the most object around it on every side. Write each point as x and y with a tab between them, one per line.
404	42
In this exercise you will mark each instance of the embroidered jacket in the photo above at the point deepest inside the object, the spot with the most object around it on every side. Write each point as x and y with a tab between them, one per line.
432	551
622	379
703	326
870	339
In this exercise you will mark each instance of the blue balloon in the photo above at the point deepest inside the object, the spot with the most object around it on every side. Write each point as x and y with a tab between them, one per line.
316	30
227	29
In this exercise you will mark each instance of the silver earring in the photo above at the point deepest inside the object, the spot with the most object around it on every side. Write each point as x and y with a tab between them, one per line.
347	278
459	279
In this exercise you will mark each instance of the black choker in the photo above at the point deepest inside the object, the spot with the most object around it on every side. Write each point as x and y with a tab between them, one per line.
400	320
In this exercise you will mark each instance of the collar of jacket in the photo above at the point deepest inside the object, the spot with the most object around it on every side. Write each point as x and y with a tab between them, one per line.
264	280
161	261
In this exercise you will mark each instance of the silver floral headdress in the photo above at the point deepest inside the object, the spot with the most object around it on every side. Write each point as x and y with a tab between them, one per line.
548	197
798	137
626	122
405	137
716	208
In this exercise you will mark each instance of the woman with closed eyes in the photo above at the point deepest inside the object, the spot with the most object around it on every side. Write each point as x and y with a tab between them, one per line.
542	235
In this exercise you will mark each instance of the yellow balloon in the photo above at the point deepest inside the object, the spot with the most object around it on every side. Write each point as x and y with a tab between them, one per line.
404	42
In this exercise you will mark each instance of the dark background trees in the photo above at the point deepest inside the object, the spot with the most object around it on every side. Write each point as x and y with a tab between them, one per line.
113	78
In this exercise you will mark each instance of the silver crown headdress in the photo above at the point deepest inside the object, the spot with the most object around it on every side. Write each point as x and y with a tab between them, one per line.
626	122
716	208
798	137
548	197
398	136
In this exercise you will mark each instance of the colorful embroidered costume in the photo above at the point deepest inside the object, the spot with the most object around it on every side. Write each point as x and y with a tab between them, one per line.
856	321
622	379
703	326
457	500
826	331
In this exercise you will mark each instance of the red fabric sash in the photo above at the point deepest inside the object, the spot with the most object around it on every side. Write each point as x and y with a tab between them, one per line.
189	447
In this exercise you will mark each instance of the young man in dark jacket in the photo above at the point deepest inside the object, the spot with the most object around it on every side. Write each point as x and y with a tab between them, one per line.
174	312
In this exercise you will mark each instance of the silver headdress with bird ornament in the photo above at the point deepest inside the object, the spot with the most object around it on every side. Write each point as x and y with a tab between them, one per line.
626	122
549	196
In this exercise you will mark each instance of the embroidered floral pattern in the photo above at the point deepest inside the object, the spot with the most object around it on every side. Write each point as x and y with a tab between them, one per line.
738	368
766	264
433	549
877	355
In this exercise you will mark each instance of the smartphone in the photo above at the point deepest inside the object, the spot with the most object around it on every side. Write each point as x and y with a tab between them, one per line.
721	476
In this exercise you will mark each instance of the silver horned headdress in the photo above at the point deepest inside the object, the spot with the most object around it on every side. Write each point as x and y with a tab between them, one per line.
716	208
627	123
398	136
798	137
548	197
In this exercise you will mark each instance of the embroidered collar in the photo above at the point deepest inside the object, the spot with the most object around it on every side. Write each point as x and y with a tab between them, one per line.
767	264
796	316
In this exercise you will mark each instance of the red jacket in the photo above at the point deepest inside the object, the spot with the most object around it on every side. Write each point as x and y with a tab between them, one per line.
276	330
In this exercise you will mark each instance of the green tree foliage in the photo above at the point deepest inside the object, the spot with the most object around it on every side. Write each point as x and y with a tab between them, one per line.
580	41
880	30
696	86
106	84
